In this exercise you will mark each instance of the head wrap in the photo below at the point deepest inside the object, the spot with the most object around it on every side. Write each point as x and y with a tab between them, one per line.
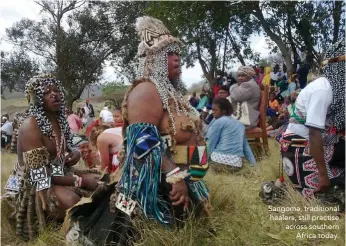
335	73
156	43
249	71
4	118
34	91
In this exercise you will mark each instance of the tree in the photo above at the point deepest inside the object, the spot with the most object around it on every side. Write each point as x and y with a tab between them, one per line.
207	31
16	69
274	59
75	40
113	93
305	26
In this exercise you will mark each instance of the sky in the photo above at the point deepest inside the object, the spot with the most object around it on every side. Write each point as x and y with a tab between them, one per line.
12	11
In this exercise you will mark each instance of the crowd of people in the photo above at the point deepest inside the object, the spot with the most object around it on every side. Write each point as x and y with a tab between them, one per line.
305	115
150	156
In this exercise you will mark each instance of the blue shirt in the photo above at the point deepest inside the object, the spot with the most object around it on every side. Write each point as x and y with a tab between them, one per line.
226	135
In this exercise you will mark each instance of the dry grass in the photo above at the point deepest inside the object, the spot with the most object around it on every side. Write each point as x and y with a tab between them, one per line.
239	215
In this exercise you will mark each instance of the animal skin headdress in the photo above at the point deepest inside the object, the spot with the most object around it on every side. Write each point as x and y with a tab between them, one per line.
154	36
156	43
34	92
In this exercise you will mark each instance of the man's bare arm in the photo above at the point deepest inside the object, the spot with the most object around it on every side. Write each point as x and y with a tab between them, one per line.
146	107
30	137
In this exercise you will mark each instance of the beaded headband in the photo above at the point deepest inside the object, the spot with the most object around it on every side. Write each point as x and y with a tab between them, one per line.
33	86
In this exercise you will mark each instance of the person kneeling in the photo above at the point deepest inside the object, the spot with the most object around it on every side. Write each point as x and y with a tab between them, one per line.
44	184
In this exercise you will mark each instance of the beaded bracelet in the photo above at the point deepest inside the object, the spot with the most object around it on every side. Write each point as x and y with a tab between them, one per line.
174	171
176	177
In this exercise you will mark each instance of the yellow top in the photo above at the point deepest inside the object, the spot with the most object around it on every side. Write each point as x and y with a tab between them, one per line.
267	78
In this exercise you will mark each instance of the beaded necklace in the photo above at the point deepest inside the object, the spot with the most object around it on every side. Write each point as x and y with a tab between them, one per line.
59	145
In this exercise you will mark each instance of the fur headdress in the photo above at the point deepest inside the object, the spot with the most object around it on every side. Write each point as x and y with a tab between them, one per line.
154	36
156	43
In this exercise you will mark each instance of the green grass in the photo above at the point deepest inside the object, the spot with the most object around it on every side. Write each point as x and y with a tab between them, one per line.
238	214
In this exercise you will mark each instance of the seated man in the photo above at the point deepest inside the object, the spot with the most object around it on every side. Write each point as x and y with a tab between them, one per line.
6	131
313	146
164	156
43	183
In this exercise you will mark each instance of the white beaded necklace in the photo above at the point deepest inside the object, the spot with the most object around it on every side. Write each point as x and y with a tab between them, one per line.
157	67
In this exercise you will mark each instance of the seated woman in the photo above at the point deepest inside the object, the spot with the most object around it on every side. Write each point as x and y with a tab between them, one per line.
203	102
208	113
108	142
226	139
74	121
313	146
292	86
223	91
247	90
44	183
118	118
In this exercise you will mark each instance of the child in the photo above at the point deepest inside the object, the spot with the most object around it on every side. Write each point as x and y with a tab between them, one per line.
273	108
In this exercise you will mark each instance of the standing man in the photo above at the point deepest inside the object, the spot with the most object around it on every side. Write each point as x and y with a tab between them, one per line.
89	112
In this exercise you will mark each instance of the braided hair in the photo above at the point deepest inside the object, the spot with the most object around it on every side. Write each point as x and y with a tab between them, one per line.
34	91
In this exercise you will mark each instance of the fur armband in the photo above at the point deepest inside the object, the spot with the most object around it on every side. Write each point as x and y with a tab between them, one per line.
36	158
36	161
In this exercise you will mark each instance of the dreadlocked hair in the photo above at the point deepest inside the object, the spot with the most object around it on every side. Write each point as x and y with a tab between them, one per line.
34	91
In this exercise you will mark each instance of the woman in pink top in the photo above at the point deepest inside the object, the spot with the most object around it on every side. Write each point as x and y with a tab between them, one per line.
74	121
260	75
108	142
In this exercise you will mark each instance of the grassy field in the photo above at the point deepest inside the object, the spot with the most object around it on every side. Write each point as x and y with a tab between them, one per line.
238	214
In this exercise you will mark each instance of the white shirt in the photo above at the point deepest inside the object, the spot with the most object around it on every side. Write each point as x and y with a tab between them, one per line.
8	128
106	115
274	76
86	109
314	103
